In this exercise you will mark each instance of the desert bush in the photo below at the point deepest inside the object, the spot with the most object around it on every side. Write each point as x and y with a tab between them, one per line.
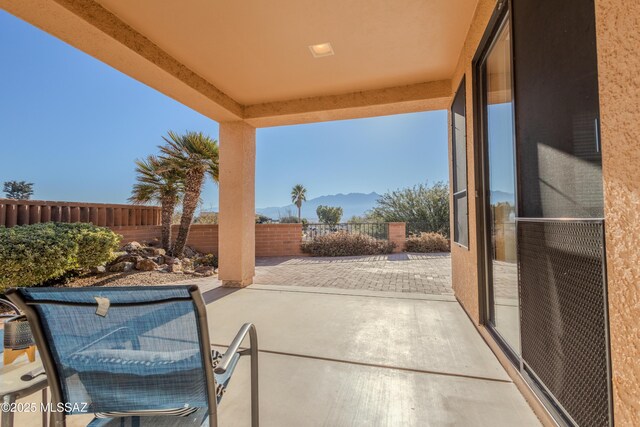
209	260
289	220
345	244
32	254
262	219
427	242
422	207
206	218
96	245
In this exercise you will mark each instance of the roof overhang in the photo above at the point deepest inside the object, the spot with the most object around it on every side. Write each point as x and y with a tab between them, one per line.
144	40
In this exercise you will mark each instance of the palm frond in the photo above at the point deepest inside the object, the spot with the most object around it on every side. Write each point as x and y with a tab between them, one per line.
298	194
192	151
156	179
144	193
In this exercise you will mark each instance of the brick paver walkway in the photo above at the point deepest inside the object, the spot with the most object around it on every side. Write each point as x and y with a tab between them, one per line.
405	272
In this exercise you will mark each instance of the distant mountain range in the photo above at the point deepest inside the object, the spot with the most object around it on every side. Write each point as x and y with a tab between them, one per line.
352	204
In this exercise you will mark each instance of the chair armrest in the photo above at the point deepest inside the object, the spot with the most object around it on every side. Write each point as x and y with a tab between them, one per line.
11	305
233	348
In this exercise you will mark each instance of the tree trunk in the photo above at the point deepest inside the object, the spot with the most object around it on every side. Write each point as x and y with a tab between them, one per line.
300	213
168	205
192	188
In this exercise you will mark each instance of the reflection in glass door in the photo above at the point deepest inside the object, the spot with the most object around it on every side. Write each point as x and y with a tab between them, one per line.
501	189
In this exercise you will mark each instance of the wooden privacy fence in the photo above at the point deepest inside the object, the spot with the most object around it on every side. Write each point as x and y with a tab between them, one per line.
25	212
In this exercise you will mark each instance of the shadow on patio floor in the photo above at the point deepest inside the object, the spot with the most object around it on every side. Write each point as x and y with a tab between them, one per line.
364	360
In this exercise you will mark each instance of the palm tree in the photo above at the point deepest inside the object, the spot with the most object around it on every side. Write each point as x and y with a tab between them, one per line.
299	195
196	154
158	181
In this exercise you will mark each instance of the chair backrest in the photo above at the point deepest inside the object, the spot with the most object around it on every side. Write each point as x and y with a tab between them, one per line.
122	349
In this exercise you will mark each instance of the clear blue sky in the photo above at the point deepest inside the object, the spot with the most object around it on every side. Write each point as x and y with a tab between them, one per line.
73	126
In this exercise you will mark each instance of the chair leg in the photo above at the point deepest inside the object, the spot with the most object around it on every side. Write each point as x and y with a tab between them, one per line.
45	400
10	355
7	416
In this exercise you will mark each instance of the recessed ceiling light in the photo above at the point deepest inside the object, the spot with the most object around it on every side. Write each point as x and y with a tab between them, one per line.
320	50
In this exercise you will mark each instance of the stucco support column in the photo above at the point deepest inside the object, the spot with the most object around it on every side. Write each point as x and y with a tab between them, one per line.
618	38
236	242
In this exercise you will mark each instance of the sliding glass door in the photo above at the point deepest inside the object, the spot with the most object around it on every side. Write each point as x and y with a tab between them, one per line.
500	184
541	218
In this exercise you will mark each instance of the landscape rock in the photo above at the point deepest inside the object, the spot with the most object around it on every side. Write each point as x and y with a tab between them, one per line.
146	265
128	258
149	256
154	242
205	270
154	251
170	260
175	267
101	269
158	259
132	247
189	252
122	266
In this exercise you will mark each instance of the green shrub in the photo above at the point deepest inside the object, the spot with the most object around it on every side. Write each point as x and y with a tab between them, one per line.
345	244
32	254
427	242
96	245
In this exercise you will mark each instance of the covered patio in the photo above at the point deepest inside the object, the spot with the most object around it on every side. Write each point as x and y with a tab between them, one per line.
351	356
225	68
332	357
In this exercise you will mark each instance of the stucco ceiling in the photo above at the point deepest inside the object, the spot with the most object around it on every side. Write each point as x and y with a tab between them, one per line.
256	51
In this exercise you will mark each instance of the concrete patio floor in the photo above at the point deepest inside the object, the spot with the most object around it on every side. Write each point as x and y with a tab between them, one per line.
339	357
361	358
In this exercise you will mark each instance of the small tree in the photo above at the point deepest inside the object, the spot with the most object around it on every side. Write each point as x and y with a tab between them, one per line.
424	208
329	215
19	190
298	195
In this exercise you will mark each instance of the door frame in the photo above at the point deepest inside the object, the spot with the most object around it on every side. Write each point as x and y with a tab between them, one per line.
481	173
462	86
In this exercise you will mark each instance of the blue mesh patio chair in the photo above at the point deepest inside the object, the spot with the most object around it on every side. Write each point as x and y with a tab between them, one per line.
133	356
